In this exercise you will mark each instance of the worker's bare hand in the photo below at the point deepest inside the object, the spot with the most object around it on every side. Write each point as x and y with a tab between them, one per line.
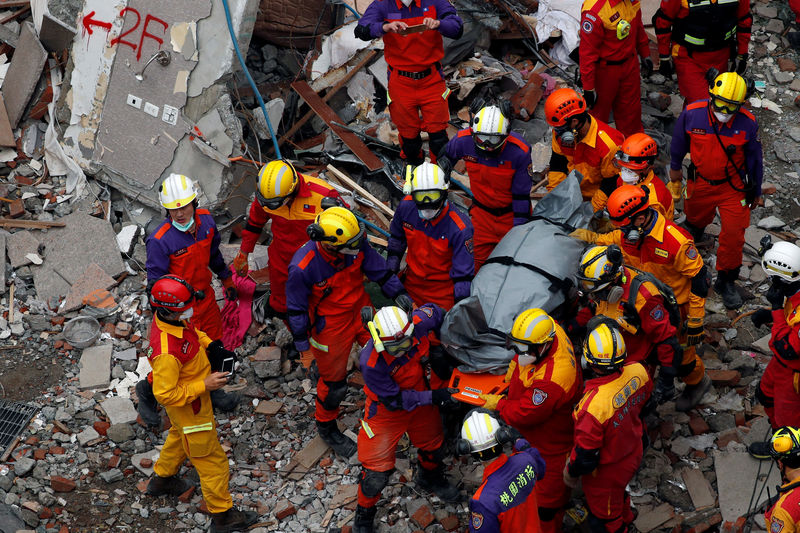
675	175
394	26
430	23
216	380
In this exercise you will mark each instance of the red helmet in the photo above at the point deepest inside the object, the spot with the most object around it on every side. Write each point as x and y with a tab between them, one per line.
625	202
173	294
637	152
561	105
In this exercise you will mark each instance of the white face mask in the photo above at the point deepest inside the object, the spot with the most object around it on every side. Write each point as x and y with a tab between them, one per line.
628	176
722	117
186	315
406	2
525	360
427	214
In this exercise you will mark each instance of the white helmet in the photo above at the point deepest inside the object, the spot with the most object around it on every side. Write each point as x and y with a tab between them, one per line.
480	431
392	331
177	191
782	260
490	128
428	186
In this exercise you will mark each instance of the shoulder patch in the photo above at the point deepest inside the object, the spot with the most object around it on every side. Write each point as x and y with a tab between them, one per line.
469	246
657	313
587	26
427	310
691	252
538	397
775	526
477	521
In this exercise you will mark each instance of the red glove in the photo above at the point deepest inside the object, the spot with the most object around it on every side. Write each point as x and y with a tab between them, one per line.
230	289
240	263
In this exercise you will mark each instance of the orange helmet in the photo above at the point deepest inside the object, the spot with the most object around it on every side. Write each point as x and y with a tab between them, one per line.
637	152
625	202
561	105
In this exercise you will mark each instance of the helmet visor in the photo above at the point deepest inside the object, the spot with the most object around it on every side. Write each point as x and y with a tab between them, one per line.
398	347
593	285
488	141
270	203
526	348
724	106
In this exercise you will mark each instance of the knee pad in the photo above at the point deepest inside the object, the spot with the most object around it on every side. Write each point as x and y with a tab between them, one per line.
688	368
547	513
437	141
336	393
763	399
372	482
432	456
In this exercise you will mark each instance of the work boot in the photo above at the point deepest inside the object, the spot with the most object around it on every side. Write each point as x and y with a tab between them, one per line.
434	481
726	288
333	437
147	406
701	240
760	450
692	394
794	38
225	401
364	522
232	520
172	485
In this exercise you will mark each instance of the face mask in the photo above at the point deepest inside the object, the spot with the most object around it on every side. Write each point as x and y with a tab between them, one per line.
629	176
349	251
186	315
406	2
427	214
722	117
525	360
565	136
183	227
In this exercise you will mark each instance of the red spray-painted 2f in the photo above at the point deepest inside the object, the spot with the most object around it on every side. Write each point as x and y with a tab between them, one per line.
89	21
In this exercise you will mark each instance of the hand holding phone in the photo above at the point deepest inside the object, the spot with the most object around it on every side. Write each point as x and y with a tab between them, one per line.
227	366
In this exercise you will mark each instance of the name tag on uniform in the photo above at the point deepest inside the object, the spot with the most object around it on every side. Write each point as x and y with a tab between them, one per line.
698	131
661	253
180	252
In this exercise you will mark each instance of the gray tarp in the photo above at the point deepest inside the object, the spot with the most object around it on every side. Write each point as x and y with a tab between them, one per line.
533	266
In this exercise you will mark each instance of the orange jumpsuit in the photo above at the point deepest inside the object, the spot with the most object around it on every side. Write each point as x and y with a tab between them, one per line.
658	196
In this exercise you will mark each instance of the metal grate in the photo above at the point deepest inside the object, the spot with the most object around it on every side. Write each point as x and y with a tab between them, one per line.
14	418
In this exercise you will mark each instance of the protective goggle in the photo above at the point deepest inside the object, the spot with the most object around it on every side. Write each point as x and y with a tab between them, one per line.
430	197
524	348
724	106
355	243
489	141
593	285
398	347
627	158
270	203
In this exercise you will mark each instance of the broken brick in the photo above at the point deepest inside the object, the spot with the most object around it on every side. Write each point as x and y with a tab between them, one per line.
526	99
16	208
57	450
786	64
726	437
186	496
39	454
101	427
449	523
423	516
123	330
114	461
146	462
698	426
284	509
62	484
724	378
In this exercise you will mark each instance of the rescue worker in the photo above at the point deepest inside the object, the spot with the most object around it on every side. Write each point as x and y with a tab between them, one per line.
499	167
506	500
325	294
779	388
698	35
725	174
612	34
784	515
182	379
292	201
608	430
399	401
186	245
439	241
635	305
635	159
412	33
583	143
544	385
653	244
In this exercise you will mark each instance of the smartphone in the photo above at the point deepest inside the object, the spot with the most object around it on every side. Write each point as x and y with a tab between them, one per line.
413	29
227	366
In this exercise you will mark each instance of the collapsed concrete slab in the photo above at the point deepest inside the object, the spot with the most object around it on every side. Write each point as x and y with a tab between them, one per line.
736	474
23	74
96	367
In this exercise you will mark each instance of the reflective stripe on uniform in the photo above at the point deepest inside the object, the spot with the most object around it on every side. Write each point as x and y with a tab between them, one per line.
208	426
367	429
318	346
701	41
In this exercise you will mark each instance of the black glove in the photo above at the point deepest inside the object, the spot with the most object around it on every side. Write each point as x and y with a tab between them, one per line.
231	294
590	97
761	317
665	388
444	163
443	397
750	197
740	63
440	362
216	353
665	67
776	293
647	67
404	302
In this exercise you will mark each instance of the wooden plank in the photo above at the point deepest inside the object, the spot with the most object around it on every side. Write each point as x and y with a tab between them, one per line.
329	116
313	452
347	180
377	241
15	14
29	224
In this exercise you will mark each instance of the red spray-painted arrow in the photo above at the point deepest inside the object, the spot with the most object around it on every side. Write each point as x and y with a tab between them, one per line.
88	22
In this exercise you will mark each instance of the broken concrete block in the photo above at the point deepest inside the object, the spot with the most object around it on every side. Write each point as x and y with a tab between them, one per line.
55	35
96	367
152	456
20	244
119	410
23	74
649	521
2	264
732	467
762	344
126	238
87	435
703	496
771	222
6	133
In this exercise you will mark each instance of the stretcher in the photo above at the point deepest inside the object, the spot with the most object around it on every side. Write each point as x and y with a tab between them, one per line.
471	385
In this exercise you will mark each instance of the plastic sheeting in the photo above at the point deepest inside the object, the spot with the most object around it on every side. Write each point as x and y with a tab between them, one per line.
533	266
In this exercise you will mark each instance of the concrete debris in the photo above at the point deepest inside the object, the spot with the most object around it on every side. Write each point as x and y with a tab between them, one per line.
735	470
96	367
23	74
119	410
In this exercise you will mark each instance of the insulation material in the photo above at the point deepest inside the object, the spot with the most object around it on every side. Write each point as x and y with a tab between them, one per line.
563	15
338	48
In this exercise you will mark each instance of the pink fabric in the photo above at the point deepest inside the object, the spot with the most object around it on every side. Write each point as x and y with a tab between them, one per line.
237	316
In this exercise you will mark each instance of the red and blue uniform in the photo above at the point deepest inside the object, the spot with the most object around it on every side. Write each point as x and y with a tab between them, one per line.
506	500
399	401
324	296
779	389
191	255
416	82
718	183
440	260
501	187
608	443
289	224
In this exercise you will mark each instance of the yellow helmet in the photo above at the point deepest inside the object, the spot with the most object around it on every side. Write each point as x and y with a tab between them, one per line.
339	227
277	180
727	93
604	347
600	266
532	333
785	444
176	191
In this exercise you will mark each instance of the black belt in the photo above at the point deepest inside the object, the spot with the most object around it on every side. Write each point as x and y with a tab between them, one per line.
713	182
617	62
496	211
416	75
